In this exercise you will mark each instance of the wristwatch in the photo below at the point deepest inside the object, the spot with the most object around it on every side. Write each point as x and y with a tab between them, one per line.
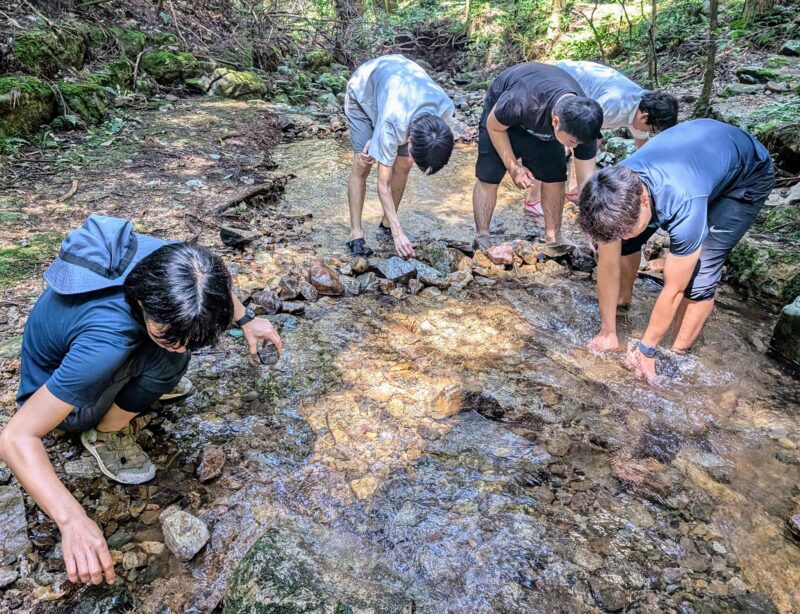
647	350
249	314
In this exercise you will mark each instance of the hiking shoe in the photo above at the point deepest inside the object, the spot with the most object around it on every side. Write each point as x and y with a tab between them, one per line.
358	247
182	389
483	243
119	456
383	233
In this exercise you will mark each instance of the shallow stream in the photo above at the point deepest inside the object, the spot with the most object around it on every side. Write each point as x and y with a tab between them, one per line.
562	484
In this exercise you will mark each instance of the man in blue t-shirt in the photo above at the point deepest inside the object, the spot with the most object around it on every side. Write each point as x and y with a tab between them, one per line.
702	181
111	335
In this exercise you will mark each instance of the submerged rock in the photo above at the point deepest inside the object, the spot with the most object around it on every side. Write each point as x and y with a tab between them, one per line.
786	335
301	567
210	463
14	534
325	279
184	534
396	269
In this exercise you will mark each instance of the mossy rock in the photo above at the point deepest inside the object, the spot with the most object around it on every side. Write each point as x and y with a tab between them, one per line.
766	270
477	86
25	104
786	335
45	53
316	59
333	83
163	39
784	219
167	67
738	89
237	84
299	568
117	74
95	37
86	100
747	74
131	42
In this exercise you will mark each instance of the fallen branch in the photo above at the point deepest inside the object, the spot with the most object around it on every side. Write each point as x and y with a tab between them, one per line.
70	193
245	193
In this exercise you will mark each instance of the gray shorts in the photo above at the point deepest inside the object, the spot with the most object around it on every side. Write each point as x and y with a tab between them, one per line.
728	219
361	127
137	384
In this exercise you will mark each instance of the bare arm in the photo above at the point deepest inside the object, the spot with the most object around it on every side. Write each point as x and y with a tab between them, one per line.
85	551
677	274
498	134
257	329
583	170
609	256
401	242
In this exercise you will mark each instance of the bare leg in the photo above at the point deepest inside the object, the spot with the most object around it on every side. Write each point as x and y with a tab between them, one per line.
115	420
484	199
629	266
356	190
553	207
400	170
691	318
535	191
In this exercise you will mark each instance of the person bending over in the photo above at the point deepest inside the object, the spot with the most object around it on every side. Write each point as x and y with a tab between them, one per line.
625	104
112	334
702	181
397	117
531	112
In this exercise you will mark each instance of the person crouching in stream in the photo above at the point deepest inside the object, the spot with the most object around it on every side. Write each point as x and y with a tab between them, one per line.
397	116
702	181
110	336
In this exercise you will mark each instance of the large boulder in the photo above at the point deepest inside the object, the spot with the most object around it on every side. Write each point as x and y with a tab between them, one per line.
86	100
317	58
237	84
25	104
45	53
302	567
335	83
791	47
131	42
786	335
167	67
117	74
766	269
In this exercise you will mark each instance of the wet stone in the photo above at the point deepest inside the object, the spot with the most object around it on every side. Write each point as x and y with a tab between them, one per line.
396	269
448	402
103	599
184	534
14	536
269	302
118	539
210	462
325	279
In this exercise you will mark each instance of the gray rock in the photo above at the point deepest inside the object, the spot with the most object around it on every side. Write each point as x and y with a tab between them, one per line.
790	47
269	302
210	462
288	287
10	348
236	237
307	291
184	534
396	269
786	335
794	524
351	285
5	473
8	575
103	599
292	307
14	536
738	89
609	598
368	281
778	87
619	148
423	270
83	467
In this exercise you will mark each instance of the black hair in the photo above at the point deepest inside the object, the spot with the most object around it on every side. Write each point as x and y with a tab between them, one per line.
580	117
431	142
186	288
661	109
609	203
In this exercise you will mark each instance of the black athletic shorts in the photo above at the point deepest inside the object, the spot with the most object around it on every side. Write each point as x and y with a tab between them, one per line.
547	160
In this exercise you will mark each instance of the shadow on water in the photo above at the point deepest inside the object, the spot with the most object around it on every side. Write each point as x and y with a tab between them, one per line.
558	484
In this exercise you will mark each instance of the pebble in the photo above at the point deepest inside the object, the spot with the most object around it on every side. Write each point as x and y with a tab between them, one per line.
448	401
210	462
14	536
325	279
154	548
184	534
359	265
133	559
558	446
8	575
787	444
364	487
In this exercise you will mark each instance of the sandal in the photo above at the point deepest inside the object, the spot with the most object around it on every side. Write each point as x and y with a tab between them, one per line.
533	207
383	232
573	197
359	248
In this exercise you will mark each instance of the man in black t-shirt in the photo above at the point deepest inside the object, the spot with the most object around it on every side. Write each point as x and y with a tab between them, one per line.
532	111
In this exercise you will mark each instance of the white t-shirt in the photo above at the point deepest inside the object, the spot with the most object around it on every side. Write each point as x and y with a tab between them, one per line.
618	96
392	90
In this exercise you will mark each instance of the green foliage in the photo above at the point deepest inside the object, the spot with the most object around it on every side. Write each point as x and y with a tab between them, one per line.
87	100
131	42
116	74
163	39
43	52
167	67
18	262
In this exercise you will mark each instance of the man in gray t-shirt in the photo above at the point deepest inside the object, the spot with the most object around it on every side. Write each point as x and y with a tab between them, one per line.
702	181
397	116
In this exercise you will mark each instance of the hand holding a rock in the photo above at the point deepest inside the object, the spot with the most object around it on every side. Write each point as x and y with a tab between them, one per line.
86	555
260	329
403	245
603	342
522	177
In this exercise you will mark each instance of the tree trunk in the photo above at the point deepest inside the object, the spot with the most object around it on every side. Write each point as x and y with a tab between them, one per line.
652	61
753	8
703	105
554	25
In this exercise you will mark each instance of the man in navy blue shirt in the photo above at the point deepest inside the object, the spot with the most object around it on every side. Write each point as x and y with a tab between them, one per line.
704	182
111	335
